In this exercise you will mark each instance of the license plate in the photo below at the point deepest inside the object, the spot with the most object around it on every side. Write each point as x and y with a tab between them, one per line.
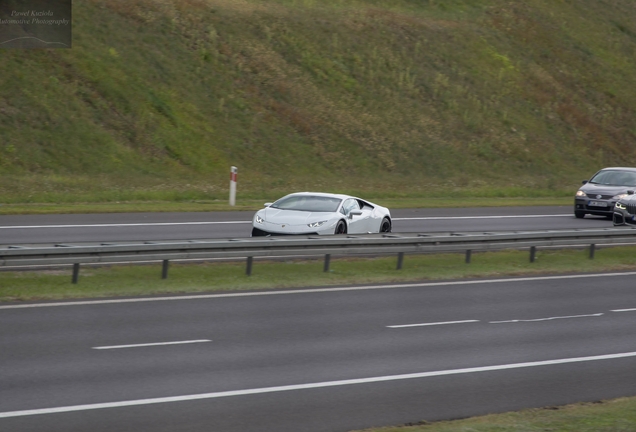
598	204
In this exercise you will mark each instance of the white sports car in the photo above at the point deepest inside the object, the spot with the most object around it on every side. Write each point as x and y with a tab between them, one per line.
320	213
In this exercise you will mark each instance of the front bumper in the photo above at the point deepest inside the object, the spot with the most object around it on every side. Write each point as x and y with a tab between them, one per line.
623	217
257	232
588	206
272	229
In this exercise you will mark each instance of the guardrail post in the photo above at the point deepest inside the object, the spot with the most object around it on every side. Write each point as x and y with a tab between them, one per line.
468	254
400	260
533	253
75	272
248	271
592	248
327	261
164	269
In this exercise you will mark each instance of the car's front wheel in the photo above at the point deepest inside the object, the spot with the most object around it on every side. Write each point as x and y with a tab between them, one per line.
579	214
341	227
258	233
385	226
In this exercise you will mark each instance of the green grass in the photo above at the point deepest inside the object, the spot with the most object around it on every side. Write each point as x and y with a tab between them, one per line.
156	100
618	415
134	280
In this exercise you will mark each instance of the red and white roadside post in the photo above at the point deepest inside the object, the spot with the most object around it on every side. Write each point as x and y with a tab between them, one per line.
233	177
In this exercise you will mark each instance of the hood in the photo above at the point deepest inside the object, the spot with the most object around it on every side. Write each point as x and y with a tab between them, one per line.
293	217
598	189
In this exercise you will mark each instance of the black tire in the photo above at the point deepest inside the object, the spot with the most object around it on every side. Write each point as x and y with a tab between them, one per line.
385	226
579	214
258	233
341	227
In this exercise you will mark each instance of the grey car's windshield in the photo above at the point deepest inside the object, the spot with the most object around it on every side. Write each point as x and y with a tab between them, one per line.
615	178
310	203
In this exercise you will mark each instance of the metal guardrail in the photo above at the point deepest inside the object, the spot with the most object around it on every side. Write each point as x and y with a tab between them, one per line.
382	244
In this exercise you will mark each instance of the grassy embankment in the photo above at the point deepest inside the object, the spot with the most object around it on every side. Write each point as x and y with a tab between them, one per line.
385	99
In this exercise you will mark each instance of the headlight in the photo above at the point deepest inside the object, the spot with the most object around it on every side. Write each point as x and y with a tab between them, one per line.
621	196
316	224
259	219
621	206
581	194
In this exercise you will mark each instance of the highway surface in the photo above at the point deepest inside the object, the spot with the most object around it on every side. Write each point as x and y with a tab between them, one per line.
317	360
185	226
332	359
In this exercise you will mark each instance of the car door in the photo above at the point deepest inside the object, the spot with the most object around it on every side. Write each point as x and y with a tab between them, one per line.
356	221
367	220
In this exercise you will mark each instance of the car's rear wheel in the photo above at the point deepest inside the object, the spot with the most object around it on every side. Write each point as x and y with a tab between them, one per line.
385	226
341	227
579	214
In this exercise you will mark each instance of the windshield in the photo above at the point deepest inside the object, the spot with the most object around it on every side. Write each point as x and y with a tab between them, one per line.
308	203
615	178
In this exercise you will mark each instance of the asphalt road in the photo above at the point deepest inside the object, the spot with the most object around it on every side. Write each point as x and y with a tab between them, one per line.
330	360
186	226
316	360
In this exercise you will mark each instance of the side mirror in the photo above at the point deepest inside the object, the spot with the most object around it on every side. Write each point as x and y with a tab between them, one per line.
353	213
268	204
584	182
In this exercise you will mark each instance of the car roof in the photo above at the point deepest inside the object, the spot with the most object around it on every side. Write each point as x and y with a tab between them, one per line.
619	169
322	194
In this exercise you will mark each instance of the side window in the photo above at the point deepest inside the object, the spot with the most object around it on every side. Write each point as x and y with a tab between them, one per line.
349	205
343	209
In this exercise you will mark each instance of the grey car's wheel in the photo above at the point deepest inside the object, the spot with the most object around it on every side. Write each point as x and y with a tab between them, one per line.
341	227
385	226
579	214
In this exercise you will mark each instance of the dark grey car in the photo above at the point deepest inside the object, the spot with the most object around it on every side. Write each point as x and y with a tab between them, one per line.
625	210
599	194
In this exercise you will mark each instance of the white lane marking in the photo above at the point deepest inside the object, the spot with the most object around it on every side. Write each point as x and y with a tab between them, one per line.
481	217
106	225
546	319
624	310
314	290
151	344
31	412
432	324
123	225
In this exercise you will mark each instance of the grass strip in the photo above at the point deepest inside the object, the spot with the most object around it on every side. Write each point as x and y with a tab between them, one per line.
138	280
617	415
